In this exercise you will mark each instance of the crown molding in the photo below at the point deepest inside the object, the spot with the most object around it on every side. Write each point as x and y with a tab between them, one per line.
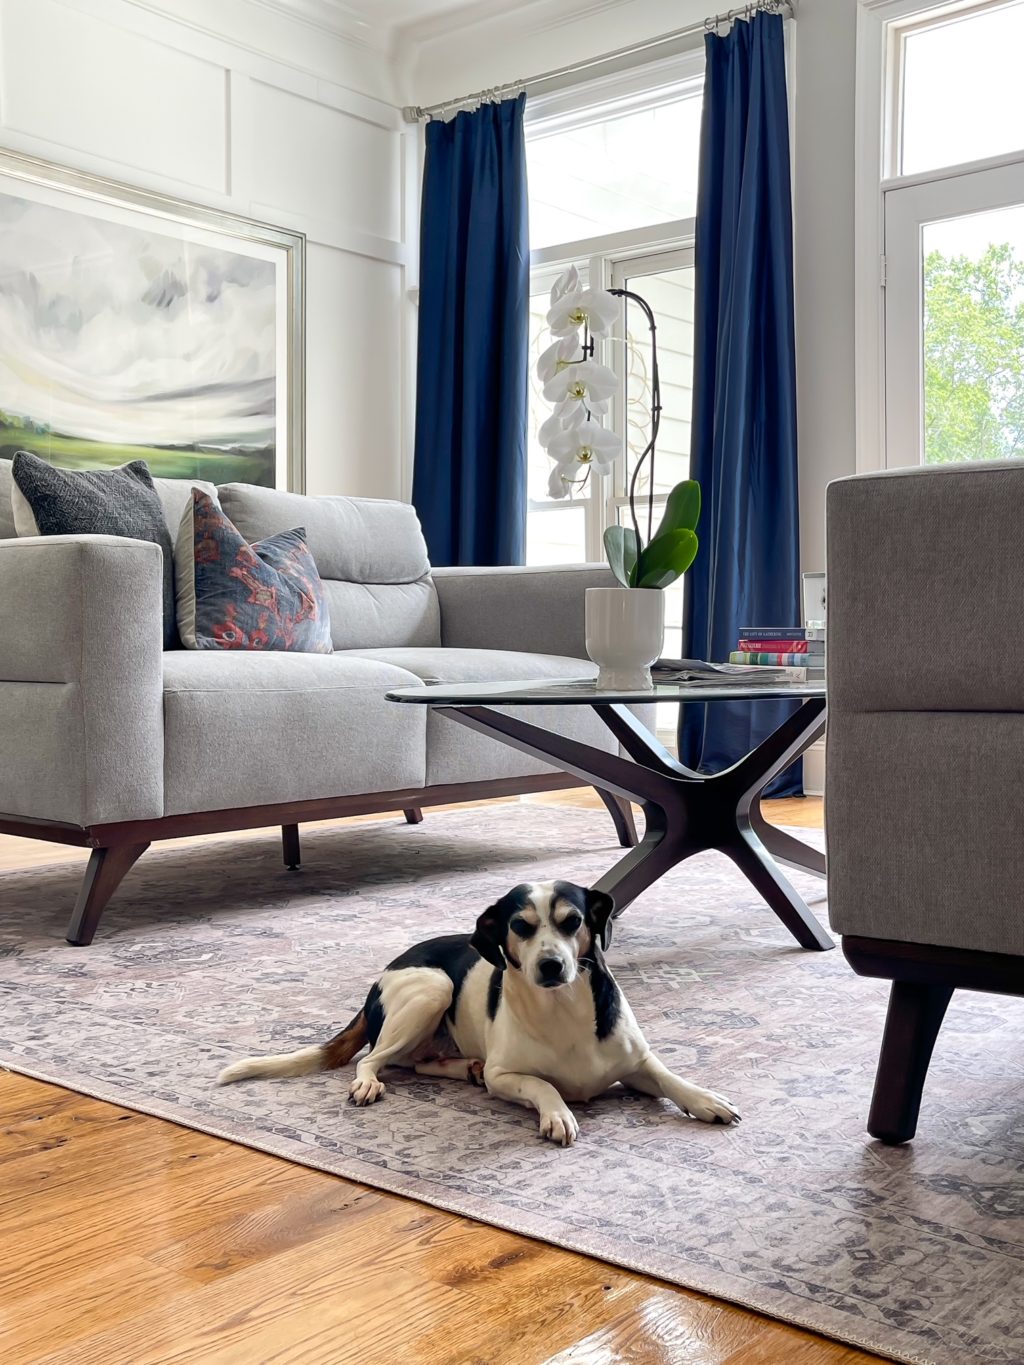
330	16
539	15
326	16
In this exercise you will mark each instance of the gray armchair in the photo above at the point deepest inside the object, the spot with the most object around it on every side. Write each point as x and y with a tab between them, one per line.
925	762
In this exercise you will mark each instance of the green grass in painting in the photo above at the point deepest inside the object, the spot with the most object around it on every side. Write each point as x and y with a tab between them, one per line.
72	452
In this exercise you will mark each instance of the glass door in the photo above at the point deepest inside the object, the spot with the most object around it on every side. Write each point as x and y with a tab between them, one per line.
954	318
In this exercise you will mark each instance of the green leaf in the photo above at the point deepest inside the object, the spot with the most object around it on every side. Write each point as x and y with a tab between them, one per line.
682	510
621	547
666	559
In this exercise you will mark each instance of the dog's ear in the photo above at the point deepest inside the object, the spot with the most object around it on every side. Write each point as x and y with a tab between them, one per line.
600	908
487	937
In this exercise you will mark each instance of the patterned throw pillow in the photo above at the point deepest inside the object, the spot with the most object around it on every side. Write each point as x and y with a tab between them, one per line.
233	595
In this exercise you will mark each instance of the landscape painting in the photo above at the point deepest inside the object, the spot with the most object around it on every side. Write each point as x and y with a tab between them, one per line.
128	333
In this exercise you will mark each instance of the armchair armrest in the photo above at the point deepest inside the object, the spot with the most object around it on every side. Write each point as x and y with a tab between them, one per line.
539	610
81	679
925	581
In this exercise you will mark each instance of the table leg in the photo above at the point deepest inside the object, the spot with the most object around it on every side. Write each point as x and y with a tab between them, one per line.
686	812
621	812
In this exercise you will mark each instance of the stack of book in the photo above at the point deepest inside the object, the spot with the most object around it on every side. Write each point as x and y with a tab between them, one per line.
799	649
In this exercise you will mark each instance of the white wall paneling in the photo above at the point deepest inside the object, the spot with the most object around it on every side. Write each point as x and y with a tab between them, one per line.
71	79
232	104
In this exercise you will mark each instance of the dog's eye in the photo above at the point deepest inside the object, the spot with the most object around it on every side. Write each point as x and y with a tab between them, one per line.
570	924
523	928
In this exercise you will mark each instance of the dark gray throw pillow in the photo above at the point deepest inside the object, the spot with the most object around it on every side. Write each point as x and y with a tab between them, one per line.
99	502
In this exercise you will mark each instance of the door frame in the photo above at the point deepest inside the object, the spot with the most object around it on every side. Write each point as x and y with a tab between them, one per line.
881	28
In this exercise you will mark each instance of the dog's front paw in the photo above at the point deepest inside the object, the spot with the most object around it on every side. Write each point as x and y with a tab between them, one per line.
367	1091
475	1073
560	1126
710	1108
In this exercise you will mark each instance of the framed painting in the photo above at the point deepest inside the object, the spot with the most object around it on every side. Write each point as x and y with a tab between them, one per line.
137	326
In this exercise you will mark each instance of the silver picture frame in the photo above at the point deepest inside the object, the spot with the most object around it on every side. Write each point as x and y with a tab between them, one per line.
287	245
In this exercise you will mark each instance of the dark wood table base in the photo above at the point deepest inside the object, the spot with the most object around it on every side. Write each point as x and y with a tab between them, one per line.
686	812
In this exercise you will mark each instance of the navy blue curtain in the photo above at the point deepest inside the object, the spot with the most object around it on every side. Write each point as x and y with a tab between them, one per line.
469	476
743	440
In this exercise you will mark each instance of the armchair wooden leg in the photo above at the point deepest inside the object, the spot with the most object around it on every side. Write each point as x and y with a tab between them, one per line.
290	846
413	815
103	875
916	1011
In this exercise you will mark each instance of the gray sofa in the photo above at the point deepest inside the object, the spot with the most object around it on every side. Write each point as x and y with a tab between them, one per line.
925	765
109	742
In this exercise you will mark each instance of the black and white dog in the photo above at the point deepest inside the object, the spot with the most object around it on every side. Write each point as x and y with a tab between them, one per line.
526	1006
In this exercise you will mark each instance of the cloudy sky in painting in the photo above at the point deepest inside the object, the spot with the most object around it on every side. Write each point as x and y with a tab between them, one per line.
121	334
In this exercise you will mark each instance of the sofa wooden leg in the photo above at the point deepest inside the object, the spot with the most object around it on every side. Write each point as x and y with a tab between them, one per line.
413	815
621	812
103	875
290	846
916	1011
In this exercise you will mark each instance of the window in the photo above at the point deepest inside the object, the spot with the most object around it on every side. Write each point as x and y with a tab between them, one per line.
953	224
593	176
960	81
613	191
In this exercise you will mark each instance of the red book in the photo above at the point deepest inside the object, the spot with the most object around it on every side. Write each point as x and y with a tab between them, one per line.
756	646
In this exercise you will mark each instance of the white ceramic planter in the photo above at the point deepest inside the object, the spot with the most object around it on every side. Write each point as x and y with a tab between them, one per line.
625	631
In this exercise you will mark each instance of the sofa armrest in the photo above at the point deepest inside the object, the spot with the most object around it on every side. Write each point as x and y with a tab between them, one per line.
81	679
538	610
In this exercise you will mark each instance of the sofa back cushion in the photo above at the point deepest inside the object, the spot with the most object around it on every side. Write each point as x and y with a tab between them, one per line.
175	495
370	554
7	531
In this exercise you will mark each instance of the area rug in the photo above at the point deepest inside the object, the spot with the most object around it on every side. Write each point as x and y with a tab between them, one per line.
215	952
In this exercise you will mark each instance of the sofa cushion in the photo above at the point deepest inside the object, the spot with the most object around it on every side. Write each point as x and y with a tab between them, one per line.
175	495
244	729
457	754
7	528
371	556
233	595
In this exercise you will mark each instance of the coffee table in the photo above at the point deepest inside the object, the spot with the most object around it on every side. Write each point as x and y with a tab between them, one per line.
686	812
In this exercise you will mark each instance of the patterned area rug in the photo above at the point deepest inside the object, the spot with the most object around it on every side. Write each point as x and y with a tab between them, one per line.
211	953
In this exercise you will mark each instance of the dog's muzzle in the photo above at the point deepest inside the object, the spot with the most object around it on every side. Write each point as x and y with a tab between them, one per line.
551	971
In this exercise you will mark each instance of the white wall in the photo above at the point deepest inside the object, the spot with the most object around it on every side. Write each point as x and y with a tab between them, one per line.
233	104
443	60
824	231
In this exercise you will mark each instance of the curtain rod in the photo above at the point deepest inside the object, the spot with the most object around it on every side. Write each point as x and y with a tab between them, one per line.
412	113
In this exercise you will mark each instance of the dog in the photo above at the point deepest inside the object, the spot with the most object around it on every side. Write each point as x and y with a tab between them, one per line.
525	1006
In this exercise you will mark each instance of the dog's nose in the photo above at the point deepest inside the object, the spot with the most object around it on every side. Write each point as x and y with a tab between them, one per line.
551	970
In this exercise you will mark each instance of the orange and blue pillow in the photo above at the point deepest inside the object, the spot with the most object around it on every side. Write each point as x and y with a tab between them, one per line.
233	595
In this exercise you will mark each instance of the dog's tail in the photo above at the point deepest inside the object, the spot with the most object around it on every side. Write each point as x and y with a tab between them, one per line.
323	1057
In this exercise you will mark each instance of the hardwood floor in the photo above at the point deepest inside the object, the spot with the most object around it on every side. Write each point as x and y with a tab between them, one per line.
126	1240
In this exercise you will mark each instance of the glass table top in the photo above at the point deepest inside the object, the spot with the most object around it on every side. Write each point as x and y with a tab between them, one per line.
585	691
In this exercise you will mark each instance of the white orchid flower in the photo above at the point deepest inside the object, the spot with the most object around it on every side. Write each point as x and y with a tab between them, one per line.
592	446
551	426
586	385
559	482
593	308
567	283
557	356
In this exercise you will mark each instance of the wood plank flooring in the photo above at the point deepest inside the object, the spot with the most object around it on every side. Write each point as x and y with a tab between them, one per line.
126	1240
